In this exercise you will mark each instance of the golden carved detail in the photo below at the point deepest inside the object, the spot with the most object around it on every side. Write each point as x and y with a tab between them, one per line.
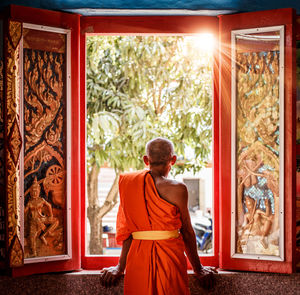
12	135
39	215
15	33
54	181
16	254
257	223
44	152
15	142
1	134
44	84
52	135
258	153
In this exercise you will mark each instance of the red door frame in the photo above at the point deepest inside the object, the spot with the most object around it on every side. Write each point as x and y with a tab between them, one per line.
297	152
160	25
67	21
228	23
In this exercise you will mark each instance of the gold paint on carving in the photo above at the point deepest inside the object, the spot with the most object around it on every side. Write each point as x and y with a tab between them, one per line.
44	153
55	182
15	32
45	85
12	131
40	218
15	142
257	152
16	254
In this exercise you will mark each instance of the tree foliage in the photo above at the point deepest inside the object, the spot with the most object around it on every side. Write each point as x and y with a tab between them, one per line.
139	88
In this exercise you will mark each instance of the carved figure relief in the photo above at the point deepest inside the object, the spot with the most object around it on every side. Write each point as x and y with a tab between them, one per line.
39	215
257	115
45	144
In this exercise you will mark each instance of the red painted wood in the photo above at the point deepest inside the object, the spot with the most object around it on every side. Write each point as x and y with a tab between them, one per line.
244	21
83	150
43	17
160	25
143	25
67	21
297	254
216	152
298	27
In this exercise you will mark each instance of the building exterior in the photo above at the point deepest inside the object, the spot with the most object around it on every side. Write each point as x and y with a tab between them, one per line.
42	136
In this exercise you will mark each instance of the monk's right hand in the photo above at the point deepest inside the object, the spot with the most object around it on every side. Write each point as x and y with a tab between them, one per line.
205	276
110	276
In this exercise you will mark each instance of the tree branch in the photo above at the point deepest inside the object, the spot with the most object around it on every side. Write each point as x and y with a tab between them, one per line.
111	198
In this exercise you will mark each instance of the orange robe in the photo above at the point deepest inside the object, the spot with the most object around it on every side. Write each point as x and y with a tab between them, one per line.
153	267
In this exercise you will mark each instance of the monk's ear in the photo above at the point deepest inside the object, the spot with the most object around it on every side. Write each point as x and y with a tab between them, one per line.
173	159
146	160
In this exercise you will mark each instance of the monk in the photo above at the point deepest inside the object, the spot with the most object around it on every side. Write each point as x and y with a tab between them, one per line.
154	226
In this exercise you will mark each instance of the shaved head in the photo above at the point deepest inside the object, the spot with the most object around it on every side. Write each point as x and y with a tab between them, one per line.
159	151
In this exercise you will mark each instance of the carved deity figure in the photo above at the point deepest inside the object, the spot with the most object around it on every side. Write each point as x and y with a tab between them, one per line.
256	221
40	218
247	176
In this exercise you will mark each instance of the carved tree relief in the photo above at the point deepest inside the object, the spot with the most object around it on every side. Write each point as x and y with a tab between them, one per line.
44	60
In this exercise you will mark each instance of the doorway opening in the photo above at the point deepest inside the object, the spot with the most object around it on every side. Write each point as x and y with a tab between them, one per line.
139	88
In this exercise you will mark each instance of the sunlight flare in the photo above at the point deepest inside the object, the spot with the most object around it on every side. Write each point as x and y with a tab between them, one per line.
204	42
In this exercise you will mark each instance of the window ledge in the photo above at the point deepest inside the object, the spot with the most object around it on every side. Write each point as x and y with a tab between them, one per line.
87	282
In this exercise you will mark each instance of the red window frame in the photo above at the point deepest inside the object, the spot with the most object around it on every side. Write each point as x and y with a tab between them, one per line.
146	25
297	259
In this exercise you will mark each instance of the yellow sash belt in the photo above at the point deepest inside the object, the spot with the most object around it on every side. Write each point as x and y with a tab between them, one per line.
155	234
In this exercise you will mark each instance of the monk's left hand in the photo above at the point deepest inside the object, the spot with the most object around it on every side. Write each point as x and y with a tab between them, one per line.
205	276
110	276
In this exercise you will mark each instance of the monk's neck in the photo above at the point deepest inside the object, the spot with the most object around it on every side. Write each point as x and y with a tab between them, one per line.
159	171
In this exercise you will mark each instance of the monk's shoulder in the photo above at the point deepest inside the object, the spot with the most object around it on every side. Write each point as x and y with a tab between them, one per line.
176	184
175	188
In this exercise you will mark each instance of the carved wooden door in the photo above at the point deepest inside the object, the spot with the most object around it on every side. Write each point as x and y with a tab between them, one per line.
41	140
257	136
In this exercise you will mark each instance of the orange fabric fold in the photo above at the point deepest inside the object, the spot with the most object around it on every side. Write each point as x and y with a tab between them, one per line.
154	267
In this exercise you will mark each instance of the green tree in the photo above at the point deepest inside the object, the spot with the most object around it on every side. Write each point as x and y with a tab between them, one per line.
139	88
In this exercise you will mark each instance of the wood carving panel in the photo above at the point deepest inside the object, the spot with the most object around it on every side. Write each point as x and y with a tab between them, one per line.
44	144
13	141
2	173
257	149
